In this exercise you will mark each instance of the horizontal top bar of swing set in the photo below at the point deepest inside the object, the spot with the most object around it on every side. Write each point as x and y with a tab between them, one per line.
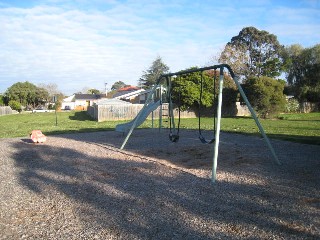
214	67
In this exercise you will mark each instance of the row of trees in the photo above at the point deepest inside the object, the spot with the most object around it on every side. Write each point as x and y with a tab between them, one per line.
302	66
27	95
259	59
254	55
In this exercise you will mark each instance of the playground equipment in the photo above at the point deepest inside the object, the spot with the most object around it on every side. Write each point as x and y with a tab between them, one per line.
201	137
174	133
139	119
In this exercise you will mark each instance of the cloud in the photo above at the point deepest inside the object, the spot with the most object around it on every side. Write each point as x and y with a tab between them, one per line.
87	43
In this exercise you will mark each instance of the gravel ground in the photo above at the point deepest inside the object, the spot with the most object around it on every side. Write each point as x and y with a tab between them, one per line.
81	186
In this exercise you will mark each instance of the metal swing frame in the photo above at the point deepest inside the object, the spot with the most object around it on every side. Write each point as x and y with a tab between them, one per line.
217	133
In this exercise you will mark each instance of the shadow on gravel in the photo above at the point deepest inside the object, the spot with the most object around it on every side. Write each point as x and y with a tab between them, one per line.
139	199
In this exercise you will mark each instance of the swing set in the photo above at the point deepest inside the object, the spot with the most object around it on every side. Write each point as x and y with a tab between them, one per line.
174	132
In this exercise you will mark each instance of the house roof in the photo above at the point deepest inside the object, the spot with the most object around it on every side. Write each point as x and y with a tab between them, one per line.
125	90
112	101
88	96
128	88
76	96
127	95
69	99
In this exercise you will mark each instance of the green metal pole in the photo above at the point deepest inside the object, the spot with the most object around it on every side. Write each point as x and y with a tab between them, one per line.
217	137
152	118
256	120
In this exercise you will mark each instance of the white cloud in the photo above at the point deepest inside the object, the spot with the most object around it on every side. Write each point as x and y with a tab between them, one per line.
87	45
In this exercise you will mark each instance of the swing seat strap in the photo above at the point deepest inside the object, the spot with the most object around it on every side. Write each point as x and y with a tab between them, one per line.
203	140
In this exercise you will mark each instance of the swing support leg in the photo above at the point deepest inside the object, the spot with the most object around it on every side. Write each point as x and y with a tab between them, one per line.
257	121
217	137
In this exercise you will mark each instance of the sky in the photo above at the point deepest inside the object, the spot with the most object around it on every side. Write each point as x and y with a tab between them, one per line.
84	44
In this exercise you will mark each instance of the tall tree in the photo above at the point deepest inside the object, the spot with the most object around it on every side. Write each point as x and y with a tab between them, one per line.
93	91
117	85
186	89
151	75
302	67
22	92
51	88
26	94
236	57
253	53
1	100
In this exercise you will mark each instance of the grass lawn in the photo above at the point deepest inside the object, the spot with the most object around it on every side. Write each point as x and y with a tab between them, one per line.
304	128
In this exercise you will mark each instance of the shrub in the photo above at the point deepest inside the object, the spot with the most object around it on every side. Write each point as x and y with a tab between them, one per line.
15	105
266	95
292	106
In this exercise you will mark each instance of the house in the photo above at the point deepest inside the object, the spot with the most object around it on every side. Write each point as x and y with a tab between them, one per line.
81	101
136	95
130	94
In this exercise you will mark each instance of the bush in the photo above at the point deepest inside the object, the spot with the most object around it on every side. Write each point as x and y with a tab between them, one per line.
292	106
266	95
1	100
15	105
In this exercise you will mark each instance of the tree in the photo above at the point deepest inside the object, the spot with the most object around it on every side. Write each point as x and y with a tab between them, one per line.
302	67
186	90
1	100
117	85
266	95
26	94
51	88
236	58
151	75
22	92
253	53
93	91
41	97
15	105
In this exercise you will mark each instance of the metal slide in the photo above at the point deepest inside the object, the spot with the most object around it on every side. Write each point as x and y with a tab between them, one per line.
125	127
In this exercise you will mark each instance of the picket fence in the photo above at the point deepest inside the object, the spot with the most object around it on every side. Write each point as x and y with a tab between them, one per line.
5	110
127	112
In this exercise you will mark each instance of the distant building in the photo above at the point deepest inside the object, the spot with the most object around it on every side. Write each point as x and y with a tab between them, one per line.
81	101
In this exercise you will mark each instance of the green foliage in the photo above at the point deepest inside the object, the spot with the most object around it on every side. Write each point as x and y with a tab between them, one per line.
15	105
27	94
253	53
266	95
118	85
1	100
186	90
302	67
93	91
151	75
59	101
292	106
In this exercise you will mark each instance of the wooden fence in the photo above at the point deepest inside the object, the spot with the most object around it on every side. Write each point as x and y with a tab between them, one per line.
307	107
5	110
127	112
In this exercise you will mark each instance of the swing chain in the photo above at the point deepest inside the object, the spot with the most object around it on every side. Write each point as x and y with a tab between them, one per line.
201	137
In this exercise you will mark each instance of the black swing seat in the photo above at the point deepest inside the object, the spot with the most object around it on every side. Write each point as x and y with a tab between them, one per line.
173	137
203	140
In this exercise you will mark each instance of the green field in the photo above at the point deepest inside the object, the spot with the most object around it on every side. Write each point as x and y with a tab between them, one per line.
304	128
